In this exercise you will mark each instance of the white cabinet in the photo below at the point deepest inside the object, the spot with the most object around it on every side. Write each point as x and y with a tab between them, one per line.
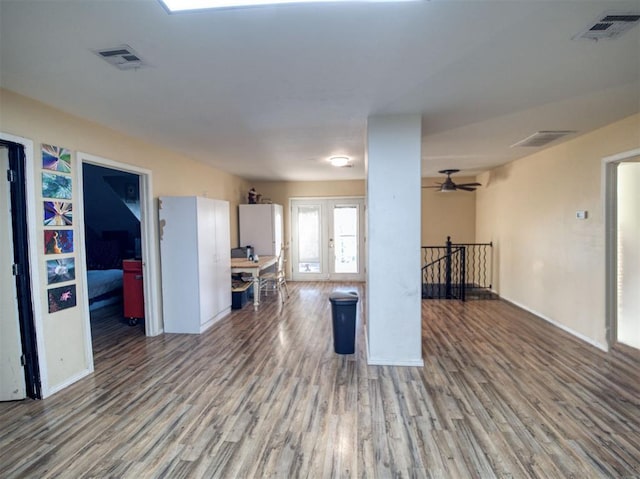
261	226
195	261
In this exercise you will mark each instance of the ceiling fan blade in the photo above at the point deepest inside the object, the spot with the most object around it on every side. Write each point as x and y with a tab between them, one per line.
464	188
468	184
435	186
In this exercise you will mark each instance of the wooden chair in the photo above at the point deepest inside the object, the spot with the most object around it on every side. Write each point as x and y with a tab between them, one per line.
276	280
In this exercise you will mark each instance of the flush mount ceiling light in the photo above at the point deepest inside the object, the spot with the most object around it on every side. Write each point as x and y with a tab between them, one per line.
339	161
194	5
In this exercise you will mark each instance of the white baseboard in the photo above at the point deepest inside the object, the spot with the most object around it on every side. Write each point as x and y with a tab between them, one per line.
372	361
67	383
388	362
215	319
580	336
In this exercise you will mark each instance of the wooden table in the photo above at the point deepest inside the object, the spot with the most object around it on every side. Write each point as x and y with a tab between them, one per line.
241	265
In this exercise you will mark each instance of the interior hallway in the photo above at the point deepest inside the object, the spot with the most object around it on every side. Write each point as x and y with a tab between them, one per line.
502	394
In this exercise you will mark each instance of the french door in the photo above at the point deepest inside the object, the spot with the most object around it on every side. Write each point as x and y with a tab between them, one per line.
327	239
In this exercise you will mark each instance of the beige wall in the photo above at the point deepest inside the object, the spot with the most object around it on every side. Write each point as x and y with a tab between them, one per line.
173	174
448	214
545	259
443	214
280	192
64	335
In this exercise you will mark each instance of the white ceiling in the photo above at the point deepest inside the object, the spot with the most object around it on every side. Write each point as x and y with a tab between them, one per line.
272	92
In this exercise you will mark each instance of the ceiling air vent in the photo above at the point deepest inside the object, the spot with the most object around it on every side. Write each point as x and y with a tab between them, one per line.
542	138
122	57
610	25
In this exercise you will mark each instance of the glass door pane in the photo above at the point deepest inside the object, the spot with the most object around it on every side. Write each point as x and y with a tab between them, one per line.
345	239
309	239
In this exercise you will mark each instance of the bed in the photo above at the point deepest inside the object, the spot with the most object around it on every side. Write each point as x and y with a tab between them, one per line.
105	287
104	272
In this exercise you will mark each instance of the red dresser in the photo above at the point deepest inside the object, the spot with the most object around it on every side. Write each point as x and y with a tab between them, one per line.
133	290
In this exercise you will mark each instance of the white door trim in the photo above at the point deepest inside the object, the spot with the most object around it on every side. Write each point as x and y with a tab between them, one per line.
609	178
149	244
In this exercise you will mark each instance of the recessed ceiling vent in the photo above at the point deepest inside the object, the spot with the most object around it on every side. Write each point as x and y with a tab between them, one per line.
542	138
610	25
122	57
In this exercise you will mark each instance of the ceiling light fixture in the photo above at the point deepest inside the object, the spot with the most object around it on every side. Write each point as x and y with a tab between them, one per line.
339	161
194	5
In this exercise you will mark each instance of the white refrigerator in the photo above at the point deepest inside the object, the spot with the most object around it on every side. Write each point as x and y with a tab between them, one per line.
262	227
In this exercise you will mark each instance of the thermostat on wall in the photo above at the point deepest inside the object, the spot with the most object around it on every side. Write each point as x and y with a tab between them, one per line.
581	214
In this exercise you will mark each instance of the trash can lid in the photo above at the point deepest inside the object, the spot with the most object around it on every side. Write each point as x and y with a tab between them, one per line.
344	297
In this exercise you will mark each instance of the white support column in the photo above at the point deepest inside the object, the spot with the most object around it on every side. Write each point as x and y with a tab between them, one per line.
393	221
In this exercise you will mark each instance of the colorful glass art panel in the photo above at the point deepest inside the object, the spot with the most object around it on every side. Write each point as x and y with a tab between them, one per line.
58	241
58	213
61	270
61	298
56	186
56	158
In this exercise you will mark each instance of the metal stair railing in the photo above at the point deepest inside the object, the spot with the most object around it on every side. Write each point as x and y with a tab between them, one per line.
457	270
444	277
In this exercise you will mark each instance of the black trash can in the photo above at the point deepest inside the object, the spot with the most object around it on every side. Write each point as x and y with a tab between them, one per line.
343	312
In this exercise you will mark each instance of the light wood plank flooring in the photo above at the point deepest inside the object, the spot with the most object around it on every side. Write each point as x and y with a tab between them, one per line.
502	394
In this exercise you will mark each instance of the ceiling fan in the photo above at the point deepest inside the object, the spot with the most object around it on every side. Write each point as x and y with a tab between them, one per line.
449	185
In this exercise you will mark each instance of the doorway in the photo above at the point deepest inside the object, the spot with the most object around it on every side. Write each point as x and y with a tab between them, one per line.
327	239
19	368
622	207
139	184
111	202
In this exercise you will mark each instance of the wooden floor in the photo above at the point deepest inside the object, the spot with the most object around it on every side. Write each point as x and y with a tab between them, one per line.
502	394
